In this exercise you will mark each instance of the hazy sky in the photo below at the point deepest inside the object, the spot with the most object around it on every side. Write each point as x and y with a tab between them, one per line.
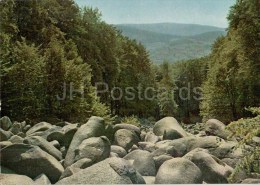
205	12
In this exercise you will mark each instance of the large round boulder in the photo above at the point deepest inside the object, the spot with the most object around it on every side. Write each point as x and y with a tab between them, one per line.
213	170
128	127
95	127
39	127
215	127
178	171
14	179
143	162
44	145
94	148
125	138
169	128
5	123
110	171
31	161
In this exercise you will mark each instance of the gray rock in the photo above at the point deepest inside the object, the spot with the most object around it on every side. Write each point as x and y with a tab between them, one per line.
26	128
94	148
169	128
151	137
95	127
14	179
125	138
16	128
142	135
215	127
5	143
149	179
207	142
21	134
55	143
143	162
69	131
5	135
150	147
31	161
110	171
5	123
251	181
44	145
42	180
76	167
178	171
120	151
159	160
128	127
213	170
112	154
16	139
39	127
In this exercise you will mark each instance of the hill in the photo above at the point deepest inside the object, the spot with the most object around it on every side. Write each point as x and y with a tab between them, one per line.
171	41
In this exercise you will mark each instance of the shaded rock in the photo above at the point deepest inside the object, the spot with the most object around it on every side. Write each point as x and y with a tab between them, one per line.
57	135
215	127
128	127
42	180
110	171
95	127
207	142
26	128
76	167
16	139
5	123
213	170
169	128
55	143
21	134
251	181
44	145
150	147
69	131
134	147
6	170
125	138
159	160
142	135
151	137
42	126
149	179
120	151
14	179
178	171
31	161
5	135
143	162
16	128
169	150
94	148
112	154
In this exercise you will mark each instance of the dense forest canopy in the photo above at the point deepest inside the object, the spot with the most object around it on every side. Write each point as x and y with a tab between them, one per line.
55	58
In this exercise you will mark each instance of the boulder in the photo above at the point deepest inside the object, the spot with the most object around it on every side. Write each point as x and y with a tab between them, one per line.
55	143
5	123
215	127
93	128
159	160
76	167
130	127
112	154
69	131
42	179
44	145
213	170
94	148
151	137
31	161
169	128
208	142
251	181
149	179
125	138
110	171
14	179
5	135
5	143
178	171
143	162
26	128
120	151
150	147
39	127
16	128
16	139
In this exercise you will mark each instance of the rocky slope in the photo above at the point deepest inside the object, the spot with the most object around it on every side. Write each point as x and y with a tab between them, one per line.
99	153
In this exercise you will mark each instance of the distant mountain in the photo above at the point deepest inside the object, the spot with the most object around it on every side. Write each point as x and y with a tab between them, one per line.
171	41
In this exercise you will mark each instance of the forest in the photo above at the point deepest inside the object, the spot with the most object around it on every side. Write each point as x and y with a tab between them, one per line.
60	62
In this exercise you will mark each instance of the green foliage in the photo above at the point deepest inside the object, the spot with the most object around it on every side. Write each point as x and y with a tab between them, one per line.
245	130
132	120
